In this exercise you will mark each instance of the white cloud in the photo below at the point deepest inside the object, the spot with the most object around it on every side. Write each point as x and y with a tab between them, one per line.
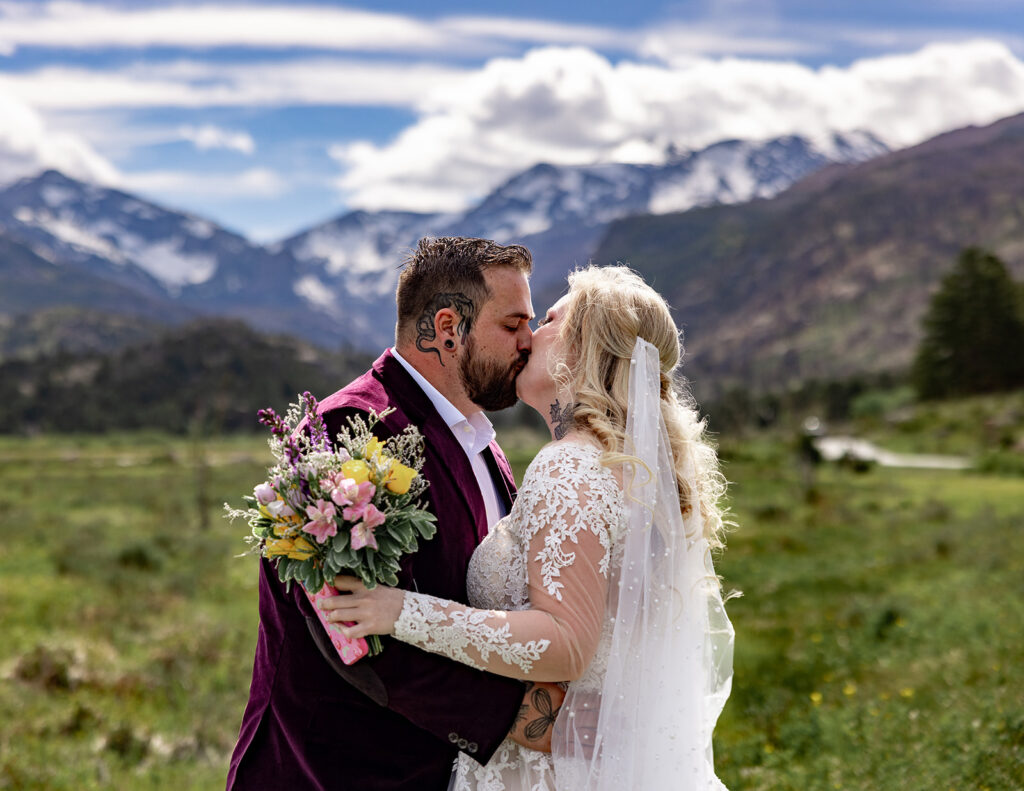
210	137
188	83
253	182
570	106
28	145
536	31
76	25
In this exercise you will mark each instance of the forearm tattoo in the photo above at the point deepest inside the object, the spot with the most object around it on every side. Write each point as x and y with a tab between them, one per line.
425	332
561	418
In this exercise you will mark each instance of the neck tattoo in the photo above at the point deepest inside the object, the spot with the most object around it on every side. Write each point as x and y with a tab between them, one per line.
561	418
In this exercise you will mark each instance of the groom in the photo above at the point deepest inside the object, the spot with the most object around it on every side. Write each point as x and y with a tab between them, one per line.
396	721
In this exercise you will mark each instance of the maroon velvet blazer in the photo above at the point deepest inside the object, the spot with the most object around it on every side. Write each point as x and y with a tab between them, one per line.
394	721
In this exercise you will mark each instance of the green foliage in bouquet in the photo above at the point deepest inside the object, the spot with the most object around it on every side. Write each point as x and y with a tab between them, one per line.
352	507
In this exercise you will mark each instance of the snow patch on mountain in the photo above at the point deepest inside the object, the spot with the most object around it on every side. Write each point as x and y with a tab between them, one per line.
359	253
69	232
168	262
343	251
311	289
201	229
55	196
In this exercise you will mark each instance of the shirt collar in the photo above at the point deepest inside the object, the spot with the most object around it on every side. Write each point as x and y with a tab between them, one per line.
474	432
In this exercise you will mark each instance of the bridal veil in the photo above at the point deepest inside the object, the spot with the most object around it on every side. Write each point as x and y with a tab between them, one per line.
670	665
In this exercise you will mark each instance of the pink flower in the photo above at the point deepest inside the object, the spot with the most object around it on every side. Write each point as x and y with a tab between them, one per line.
344	490
264	494
362	533
321	524
359	497
331	482
372	516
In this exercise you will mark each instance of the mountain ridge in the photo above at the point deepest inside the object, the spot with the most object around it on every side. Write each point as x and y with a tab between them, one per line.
833	275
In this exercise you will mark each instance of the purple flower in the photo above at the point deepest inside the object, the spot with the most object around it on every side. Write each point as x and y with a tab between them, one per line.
317	428
264	493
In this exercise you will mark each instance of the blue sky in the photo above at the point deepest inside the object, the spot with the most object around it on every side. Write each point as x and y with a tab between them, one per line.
269	117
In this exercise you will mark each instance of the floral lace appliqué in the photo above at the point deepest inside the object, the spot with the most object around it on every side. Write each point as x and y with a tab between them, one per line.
425	622
567	490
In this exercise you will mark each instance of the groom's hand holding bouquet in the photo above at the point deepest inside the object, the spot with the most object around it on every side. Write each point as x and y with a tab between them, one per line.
349	507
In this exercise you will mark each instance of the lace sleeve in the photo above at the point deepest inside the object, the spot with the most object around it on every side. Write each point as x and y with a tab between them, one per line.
566	515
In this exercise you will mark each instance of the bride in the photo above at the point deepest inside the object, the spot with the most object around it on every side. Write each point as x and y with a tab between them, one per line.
601	574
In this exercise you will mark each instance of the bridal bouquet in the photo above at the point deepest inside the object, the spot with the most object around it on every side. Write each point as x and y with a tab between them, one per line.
325	509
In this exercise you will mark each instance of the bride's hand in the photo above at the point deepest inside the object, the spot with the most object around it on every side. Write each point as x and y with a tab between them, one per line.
368	611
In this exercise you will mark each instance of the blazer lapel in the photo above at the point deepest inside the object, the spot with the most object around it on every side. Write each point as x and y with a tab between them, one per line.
452	468
501	473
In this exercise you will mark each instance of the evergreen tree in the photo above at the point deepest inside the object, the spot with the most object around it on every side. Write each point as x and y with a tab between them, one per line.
973	331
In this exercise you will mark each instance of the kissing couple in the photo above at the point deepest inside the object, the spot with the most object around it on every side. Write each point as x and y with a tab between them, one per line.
571	637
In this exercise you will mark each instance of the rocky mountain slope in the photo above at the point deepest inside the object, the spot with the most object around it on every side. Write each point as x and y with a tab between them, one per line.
831	277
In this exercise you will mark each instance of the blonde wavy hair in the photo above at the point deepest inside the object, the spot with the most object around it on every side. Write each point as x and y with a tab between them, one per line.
608	308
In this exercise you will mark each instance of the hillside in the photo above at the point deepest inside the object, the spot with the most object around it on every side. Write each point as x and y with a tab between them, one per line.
830	278
211	375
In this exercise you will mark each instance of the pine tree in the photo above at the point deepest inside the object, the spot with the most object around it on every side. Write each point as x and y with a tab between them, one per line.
973	331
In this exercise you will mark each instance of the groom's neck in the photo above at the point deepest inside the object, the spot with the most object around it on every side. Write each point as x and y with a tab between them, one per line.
442	375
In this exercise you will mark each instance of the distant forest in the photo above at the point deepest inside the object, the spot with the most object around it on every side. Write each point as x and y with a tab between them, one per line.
210	376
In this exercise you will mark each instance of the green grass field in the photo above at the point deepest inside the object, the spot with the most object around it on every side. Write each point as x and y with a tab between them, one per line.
880	633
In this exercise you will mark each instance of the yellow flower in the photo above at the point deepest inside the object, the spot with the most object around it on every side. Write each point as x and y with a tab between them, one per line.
816	698
297	548
373	447
302	549
356	469
399	478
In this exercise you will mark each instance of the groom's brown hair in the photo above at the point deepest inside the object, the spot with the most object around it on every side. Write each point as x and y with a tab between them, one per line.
448	272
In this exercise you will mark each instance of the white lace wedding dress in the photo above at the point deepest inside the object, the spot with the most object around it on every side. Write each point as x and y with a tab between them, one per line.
557	549
611	587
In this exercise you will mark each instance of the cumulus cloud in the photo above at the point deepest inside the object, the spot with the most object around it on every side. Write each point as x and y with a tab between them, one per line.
208	137
28	145
574	106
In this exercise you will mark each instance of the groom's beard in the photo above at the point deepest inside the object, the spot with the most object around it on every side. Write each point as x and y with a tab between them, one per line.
489	384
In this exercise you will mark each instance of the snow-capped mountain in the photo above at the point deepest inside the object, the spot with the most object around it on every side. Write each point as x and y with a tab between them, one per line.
736	171
357	253
181	262
103	228
335	282
561	212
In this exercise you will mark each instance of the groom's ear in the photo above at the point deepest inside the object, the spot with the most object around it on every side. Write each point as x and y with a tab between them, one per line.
446	326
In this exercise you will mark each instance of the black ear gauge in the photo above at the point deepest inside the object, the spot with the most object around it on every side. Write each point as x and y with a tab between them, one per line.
449	344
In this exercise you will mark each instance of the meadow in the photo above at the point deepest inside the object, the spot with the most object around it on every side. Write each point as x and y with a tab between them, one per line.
880	632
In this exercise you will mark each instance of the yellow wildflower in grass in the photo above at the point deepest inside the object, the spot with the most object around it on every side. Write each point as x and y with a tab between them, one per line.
816	698
399	478
356	469
850	689
906	692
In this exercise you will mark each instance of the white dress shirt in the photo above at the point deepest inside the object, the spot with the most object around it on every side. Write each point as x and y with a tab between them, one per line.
474	434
